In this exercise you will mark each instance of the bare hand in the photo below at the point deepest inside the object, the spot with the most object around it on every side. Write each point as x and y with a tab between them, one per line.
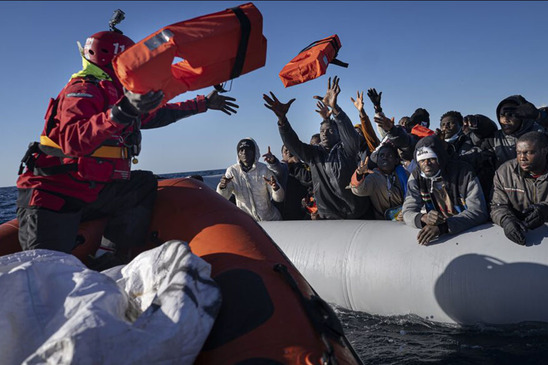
279	108
324	111
358	103
433	218
427	234
362	168
224	181
333	90
269	157
219	102
385	123
272	182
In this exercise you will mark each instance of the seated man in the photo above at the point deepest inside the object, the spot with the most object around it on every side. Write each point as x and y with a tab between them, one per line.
520	188
450	193
386	185
252	183
332	162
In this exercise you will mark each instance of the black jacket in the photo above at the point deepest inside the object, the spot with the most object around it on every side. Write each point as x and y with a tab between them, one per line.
331	170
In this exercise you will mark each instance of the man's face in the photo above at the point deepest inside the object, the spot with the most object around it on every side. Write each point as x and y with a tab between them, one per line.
328	135
531	158
508	123
449	127
387	160
246	155
286	155
429	166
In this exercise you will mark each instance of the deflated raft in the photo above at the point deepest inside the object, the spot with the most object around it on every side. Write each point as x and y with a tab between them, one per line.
377	267
269	313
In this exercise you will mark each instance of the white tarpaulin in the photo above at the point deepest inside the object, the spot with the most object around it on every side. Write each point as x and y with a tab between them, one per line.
157	309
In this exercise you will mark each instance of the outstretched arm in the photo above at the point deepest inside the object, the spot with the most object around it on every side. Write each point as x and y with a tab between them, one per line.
367	128
290	139
173	112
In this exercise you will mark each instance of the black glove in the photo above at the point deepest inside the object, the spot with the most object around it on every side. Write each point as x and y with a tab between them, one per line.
535	216
143	103
132	105
375	99
515	231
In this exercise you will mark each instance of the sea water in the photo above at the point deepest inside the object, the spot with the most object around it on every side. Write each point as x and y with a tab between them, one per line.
410	339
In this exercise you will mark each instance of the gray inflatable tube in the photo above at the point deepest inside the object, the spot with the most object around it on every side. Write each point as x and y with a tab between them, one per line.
377	267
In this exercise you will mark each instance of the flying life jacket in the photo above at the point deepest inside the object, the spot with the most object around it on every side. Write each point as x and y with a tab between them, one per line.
312	61
215	48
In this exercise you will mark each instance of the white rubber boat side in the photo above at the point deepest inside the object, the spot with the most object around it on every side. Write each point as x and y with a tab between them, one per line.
377	267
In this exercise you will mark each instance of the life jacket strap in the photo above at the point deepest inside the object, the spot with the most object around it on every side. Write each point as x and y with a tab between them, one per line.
49	147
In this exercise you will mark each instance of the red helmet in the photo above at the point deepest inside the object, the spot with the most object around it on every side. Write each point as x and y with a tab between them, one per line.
101	47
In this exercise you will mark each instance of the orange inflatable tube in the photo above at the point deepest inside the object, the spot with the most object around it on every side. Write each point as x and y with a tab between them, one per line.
312	61
269	313
215	48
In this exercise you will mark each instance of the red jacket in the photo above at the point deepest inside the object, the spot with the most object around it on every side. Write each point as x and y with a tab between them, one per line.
82	124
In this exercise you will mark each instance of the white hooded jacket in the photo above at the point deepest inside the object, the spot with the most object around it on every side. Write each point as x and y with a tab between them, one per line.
253	195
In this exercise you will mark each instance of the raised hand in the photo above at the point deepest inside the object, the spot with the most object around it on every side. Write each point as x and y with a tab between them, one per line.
219	102
333	91
272	182
358	103
362	168
224	181
324	111
269	157
279	108
375	99
385	123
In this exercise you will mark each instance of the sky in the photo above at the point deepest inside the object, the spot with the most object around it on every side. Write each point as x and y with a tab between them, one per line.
464	56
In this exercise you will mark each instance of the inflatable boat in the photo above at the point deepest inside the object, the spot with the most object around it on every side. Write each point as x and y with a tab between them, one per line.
377	267
269	312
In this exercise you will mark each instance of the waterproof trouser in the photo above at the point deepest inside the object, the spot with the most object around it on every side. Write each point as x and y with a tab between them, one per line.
126	203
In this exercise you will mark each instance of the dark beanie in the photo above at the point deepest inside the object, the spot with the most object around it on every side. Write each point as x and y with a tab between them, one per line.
421	116
245	143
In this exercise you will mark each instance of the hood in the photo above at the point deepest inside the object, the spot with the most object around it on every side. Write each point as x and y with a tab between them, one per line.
254	144
526	111
483	127
435	143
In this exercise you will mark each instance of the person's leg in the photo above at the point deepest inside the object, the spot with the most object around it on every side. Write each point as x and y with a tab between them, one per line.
46	229
128	204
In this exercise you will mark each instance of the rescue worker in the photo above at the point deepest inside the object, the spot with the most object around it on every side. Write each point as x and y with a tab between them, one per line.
253	184
520	188
333	162
450	193
80	169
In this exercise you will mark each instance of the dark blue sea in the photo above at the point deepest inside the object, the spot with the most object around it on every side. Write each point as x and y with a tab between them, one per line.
410	339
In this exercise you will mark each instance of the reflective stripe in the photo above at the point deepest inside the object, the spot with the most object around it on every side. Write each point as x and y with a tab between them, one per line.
101	152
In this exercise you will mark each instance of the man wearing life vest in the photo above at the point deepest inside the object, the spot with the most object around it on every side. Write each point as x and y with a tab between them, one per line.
80	169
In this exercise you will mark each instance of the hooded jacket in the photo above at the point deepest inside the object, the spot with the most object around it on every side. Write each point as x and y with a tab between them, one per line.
253	195
331	170
467	202
502	147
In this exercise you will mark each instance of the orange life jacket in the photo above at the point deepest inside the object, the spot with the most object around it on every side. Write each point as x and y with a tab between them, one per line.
215	48
421	131
312	61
